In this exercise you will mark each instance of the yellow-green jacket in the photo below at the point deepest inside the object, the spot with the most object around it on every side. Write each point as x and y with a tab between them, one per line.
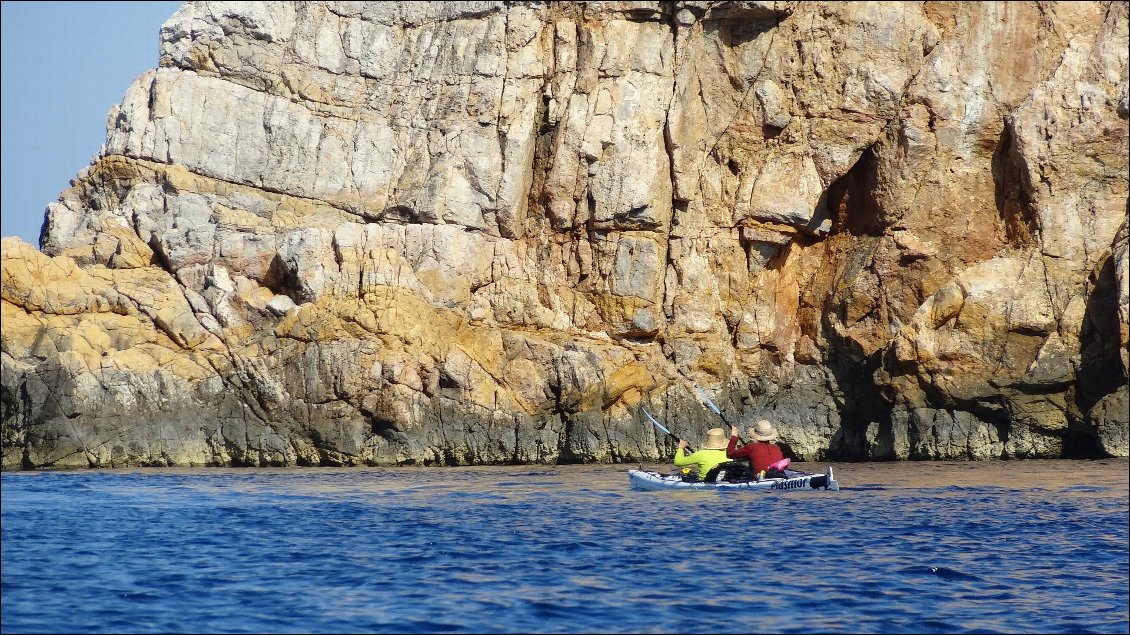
705	459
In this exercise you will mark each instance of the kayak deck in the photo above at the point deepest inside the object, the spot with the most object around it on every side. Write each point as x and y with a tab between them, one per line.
648	480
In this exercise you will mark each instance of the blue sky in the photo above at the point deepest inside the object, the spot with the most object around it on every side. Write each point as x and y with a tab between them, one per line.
64	65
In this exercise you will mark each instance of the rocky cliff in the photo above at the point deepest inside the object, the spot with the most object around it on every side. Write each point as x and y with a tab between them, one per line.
340	233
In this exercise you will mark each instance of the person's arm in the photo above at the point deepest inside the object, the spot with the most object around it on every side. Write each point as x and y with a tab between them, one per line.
680	459
732	446
744	452
700	459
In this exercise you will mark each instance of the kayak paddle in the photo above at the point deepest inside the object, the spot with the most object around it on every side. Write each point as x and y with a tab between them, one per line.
656	423
702	393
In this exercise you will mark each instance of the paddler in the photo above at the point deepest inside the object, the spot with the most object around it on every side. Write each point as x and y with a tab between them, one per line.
761	451
713	452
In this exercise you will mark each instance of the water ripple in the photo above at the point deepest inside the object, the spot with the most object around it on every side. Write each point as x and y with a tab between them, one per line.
569	549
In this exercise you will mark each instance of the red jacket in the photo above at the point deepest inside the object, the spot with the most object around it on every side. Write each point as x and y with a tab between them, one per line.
760	454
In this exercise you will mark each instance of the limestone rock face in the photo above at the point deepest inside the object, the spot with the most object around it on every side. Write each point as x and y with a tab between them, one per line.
347	233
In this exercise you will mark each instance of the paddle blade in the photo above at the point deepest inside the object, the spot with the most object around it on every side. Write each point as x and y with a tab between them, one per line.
702	393
655	422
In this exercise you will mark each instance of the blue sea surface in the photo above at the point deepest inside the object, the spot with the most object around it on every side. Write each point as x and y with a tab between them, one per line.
992	547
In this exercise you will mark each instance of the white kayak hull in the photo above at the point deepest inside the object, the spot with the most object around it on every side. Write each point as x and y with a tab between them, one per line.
648	480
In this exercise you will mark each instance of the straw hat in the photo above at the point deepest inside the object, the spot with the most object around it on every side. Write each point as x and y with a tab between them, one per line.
715	439
763	431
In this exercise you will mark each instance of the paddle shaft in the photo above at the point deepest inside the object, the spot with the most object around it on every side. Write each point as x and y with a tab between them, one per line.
656	423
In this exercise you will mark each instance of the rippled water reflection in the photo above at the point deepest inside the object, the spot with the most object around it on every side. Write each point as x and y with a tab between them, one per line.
1032	546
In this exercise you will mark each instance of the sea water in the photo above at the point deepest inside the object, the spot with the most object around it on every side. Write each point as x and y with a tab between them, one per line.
1008	547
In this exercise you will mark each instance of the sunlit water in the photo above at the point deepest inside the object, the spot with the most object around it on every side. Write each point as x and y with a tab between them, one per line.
1023	546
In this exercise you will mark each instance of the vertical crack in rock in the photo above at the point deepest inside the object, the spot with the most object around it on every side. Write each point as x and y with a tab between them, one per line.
1013	191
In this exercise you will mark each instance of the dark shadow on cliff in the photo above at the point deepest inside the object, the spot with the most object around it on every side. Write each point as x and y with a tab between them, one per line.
1100	364
1011	190
281	280
854	211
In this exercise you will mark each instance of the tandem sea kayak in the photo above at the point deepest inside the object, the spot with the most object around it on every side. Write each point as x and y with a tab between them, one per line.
648	480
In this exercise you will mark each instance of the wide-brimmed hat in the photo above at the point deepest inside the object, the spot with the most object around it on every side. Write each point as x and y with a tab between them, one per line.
763	431
715	439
